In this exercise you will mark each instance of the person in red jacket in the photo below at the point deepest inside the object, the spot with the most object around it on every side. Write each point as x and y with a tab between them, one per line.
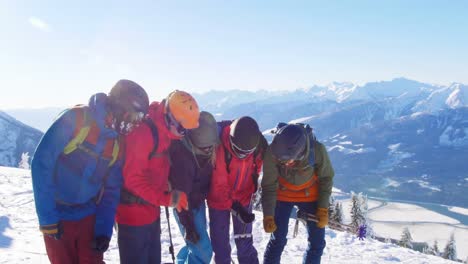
146	172
239	159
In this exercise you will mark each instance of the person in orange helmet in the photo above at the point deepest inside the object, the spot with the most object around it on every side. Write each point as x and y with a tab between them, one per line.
146	172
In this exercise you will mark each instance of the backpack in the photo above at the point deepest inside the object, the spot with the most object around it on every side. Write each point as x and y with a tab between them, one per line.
84	134
260	150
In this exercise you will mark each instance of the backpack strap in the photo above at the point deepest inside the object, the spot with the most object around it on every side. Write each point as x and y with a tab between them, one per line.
83	125
82	128
155	134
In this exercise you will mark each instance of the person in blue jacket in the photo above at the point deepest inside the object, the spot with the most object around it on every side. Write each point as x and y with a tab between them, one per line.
192	160
76	173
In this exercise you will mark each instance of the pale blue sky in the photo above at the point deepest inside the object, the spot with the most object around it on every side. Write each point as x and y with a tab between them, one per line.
58	53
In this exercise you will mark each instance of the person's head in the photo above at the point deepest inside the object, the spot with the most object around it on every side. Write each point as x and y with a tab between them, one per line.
244	136
181	112
128	103
205	137
289	145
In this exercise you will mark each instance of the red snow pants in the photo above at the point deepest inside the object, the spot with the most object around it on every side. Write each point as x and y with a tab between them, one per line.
74	247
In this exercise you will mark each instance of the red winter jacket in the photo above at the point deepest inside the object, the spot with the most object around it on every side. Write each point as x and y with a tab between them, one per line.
145	178
238	185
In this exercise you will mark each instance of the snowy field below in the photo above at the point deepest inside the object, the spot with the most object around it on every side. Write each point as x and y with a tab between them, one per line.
390	218
21	241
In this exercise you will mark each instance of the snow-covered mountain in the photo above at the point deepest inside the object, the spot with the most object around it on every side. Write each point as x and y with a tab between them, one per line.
16	138
362	127
21	241
40	118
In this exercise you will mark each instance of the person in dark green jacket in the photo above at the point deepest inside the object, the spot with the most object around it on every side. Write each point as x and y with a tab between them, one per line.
298	173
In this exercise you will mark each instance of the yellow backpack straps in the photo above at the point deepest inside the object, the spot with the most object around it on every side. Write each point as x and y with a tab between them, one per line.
82	128
115	151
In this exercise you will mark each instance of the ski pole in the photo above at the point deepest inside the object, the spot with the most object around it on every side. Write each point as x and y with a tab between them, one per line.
171	247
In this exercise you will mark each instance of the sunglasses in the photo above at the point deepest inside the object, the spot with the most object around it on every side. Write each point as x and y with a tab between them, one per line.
171	121
241	153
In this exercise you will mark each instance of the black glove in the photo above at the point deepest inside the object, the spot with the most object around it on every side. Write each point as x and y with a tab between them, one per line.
192	235
186	219
54	230
241	213
100	244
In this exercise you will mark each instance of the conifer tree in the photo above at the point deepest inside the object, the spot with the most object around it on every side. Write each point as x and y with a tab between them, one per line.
24	162
357	217
338	213
450	251
331	206
388	240
435	249
406	239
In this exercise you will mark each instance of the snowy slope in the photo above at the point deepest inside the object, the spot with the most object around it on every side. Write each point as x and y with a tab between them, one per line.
16	138
21	242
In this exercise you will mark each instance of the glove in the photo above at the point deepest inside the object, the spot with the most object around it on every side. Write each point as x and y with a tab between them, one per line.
54	230
179	200
241	213
100	244
186	219
322	216
269	224
192	235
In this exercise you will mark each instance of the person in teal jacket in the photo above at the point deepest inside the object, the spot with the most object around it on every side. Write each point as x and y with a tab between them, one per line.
76	173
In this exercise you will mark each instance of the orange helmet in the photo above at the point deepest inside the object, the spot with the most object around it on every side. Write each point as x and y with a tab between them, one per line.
184	108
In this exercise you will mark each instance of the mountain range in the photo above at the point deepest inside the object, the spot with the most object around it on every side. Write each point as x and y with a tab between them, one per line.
398	139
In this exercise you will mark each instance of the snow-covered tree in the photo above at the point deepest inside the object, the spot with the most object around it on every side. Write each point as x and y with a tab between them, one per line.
435	249
24	162
357	217
331	206
388	240
406	239
450	251
337	216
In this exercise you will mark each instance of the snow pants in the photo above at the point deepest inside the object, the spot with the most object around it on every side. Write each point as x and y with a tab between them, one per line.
219	233
74	246
316	236
140	244
201	252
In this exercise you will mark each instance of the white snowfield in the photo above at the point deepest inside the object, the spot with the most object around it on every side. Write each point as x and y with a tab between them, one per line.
21	241
389	220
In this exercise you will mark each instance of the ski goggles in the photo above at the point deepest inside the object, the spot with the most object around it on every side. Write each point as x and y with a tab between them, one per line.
171	121
241	153
291	162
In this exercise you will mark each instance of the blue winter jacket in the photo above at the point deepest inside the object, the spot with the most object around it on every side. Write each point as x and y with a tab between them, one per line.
65	186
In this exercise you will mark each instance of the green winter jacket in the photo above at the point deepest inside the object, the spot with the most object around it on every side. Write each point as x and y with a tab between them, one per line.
297	175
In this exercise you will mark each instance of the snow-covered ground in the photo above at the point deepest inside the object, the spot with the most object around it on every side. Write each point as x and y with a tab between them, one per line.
21	241
389	220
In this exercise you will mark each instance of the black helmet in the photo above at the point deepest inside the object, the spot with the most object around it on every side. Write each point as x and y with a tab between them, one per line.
206	134
289	143
128	102
245	133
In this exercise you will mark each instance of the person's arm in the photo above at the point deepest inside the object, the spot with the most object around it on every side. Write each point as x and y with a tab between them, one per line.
43	165
138	177
269	184
182	169
325	174
107	206
220	193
